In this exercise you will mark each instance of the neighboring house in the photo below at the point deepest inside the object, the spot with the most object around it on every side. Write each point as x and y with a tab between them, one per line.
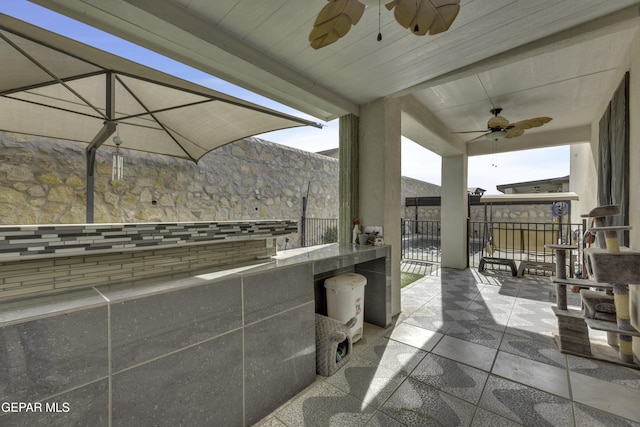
550	185
426	206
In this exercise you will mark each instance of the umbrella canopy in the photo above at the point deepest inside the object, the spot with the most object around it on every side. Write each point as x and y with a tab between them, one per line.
56	87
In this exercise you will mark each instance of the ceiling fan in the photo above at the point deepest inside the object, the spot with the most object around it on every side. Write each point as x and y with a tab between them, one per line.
499	127
420	16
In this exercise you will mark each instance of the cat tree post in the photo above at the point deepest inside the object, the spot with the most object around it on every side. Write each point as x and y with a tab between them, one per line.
620	287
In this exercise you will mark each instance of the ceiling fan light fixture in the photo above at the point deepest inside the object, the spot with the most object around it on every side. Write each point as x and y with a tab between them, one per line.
496	135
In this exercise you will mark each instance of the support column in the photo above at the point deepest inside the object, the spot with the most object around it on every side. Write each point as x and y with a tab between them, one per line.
349	170
380	183
453	213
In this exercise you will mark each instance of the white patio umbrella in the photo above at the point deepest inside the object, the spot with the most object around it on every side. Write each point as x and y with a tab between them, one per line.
56	87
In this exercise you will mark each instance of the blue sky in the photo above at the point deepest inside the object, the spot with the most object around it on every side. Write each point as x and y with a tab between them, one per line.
484	171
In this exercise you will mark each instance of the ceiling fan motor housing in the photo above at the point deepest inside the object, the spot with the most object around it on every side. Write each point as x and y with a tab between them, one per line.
497	123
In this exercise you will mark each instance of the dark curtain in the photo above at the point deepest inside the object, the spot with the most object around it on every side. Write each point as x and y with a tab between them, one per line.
613	153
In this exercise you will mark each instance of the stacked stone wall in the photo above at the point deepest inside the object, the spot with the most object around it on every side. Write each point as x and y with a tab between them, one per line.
42	181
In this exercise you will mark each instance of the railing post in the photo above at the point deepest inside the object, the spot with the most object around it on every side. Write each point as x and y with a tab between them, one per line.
402	235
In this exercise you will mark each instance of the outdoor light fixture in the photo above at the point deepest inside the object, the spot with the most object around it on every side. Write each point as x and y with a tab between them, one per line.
118	161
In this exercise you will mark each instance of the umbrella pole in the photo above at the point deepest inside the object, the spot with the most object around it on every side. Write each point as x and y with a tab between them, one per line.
107	130
91	162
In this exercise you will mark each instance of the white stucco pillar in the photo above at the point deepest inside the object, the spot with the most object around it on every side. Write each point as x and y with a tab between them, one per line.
379	179
453	216
349	176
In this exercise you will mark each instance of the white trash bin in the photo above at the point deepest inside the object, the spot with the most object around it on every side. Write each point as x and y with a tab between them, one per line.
345	300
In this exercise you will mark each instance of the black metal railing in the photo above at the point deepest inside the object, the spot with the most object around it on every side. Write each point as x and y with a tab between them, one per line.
318	231
523	241
421	240
507	240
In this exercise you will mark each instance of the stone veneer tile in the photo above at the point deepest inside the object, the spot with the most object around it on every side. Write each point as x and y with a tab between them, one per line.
43	357
88	238
144	328
271	292
280	360
198	386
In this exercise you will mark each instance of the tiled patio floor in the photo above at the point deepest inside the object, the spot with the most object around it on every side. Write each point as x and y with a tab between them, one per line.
468	349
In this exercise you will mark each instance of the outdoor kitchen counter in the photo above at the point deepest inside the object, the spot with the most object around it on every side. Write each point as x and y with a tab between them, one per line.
238	341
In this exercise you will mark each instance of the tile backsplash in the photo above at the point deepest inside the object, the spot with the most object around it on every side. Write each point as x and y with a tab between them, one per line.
45	259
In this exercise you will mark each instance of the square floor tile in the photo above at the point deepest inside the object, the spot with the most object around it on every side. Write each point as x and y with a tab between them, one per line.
533	320
589	417
433	318
325	405
371	330
611	372
394	355
469	331
608	397
534	374
486	318
484	418
525	405
455	378
415	336
475	355
380	419
368	381
418	295
270	421
418	404
544	352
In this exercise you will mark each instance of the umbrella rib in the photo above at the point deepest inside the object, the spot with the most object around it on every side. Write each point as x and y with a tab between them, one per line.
50	83
55	108
229	101
162	110
273	113
50	73
155	118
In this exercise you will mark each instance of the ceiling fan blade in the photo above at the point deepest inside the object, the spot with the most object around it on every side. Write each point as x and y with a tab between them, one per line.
472	131
444	13
514	132
334	21
422	16
531	123
477	137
